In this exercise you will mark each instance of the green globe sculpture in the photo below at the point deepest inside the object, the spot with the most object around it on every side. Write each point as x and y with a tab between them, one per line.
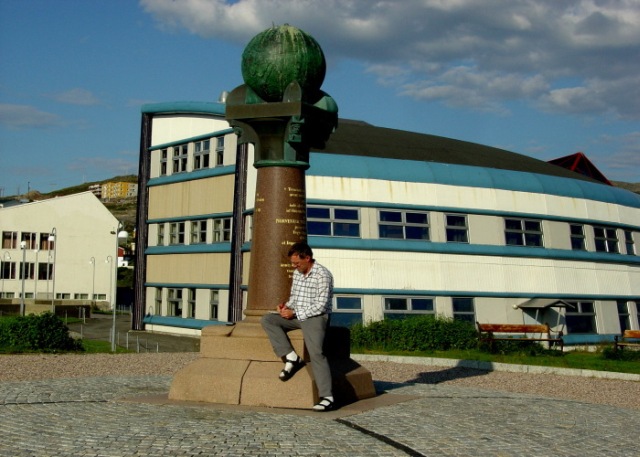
279	56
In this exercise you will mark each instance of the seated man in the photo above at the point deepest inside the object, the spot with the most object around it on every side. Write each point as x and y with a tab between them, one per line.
309	309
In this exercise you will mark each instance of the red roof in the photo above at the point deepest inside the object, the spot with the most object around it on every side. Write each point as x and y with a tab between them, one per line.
579	163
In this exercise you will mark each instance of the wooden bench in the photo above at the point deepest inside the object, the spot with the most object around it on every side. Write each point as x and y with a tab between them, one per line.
518	332
628	338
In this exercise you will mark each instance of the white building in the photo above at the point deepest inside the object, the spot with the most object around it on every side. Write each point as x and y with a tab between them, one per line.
408	224
62	247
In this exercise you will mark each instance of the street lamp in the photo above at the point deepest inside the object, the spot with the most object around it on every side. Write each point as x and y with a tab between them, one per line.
36	272
92	261
120	234
52	239
5	256
23	248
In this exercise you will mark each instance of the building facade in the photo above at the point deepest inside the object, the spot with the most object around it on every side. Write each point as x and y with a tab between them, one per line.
62	247
118	190
408	223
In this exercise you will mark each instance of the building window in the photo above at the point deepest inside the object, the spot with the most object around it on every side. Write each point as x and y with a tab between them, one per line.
176	233
464	309
628	243
623	315
201	154
31	240
214	304
606	239
219	151
81	296
401	307
180	157
198	232
163	162
582	318
404	225
45	244
222	230
8	270
45	271
333	221
9	240
27	270
158	302
456	228
191	303
523	232
174	302
160	235
347	311
577	237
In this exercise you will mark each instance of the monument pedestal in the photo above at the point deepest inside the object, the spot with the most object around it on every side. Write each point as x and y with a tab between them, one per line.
237	366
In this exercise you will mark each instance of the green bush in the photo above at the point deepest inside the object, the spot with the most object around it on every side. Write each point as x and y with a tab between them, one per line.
419	333
525	348
610	353
43	333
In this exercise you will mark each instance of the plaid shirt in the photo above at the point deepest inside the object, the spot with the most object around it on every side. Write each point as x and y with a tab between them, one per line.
311	295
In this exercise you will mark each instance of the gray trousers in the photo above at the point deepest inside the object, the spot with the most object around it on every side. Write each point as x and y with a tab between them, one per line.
313	331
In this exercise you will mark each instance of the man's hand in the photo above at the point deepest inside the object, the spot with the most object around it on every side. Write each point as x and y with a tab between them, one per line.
285	312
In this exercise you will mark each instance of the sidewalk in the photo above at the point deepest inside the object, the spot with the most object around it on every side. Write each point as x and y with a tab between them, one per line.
131	416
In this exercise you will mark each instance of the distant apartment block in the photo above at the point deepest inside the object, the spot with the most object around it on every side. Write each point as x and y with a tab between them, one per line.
96	189
115	190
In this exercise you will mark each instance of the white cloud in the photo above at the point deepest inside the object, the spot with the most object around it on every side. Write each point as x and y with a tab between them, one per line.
24	117
462	52
76	96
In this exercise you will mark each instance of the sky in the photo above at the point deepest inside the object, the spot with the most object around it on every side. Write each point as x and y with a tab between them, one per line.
544	78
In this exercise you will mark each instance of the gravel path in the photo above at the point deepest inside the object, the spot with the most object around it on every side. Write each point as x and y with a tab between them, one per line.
589	390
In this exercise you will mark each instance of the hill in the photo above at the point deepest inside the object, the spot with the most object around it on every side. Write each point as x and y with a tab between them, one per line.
124	209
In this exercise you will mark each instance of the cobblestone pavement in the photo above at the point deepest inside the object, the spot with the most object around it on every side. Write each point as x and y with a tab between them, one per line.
110	417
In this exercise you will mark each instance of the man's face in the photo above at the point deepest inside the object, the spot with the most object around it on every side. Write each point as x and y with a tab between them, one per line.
301	263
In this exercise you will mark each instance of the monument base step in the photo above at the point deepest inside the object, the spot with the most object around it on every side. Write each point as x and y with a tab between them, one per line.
237	367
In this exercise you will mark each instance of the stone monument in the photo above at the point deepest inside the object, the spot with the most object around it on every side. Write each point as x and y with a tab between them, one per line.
283	112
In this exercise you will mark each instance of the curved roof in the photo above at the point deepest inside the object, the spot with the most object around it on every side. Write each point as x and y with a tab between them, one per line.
447	161
362	139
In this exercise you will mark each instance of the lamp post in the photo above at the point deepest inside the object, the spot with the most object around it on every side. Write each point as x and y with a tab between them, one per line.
52	239
5	256
23	247
35	275
120	234
92	261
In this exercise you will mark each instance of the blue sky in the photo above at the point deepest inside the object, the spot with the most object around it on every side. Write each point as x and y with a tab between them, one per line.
541	78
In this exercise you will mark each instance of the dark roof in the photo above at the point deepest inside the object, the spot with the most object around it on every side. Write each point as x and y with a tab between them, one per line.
361	139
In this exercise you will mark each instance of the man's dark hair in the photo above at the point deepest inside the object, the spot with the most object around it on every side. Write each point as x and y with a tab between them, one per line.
301	250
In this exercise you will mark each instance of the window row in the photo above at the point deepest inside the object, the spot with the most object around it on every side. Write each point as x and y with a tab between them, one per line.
580	318
31	240
348	309
201	231
192	156
59	296
26	270
415	225
182	303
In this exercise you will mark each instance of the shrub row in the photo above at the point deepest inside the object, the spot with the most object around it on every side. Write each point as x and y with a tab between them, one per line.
44	333
419	333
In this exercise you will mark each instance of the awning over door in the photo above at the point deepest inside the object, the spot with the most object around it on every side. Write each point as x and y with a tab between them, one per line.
543	303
